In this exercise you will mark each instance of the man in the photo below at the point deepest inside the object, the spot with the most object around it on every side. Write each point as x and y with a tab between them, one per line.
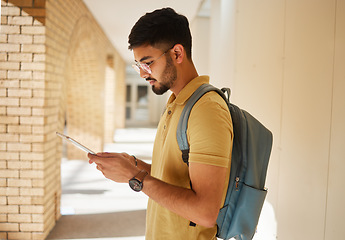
184	201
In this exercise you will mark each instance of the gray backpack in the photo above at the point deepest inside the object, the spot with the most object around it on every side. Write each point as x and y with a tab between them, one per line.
251	151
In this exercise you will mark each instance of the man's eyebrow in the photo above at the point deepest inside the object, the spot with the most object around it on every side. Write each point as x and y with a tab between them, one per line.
145	58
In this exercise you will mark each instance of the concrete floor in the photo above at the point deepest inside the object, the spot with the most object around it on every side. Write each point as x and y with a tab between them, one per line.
94	207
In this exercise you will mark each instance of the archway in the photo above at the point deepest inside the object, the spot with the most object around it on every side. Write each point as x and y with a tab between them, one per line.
84	83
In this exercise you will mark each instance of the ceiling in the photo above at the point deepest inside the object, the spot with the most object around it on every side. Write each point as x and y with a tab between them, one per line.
117	17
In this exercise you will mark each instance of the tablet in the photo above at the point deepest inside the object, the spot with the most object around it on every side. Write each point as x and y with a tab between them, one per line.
75	143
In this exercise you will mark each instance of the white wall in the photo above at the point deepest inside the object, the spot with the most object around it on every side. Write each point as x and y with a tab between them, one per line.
201	41
285	64
335	210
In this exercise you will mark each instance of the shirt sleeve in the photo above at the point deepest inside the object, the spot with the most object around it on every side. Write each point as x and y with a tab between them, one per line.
210	132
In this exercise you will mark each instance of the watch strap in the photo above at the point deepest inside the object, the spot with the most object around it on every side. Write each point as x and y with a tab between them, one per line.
141	175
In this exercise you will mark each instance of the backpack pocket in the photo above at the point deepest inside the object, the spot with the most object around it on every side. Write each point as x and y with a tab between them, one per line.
246	215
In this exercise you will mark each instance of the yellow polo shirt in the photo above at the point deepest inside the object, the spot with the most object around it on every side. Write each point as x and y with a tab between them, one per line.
210	137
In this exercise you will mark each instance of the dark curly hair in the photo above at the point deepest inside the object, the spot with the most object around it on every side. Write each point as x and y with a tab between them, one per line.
162	28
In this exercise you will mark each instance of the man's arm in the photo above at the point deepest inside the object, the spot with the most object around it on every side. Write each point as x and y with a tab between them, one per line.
199	205
142	165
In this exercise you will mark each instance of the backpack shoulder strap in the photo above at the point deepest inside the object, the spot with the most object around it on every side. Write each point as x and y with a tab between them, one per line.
181	133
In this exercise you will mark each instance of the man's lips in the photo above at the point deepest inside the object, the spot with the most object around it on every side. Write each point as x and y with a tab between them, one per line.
151	81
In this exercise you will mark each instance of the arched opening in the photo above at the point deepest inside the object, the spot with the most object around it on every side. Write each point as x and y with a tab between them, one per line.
84	83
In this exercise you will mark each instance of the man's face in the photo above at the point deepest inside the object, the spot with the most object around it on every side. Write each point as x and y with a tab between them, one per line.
163	71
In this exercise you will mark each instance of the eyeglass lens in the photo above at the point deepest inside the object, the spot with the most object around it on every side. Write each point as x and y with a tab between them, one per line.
143	66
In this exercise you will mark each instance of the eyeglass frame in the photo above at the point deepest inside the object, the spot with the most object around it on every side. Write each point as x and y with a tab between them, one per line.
138	65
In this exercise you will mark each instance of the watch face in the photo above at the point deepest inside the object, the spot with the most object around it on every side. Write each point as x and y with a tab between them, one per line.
135	185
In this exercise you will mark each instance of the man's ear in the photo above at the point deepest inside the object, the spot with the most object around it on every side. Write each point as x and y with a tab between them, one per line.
179	53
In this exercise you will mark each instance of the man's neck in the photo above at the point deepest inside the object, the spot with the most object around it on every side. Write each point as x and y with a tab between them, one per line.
185	74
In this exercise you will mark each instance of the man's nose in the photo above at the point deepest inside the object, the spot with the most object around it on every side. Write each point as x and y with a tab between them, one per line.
144	74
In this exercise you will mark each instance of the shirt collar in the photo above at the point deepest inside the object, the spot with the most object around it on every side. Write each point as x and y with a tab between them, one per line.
188	90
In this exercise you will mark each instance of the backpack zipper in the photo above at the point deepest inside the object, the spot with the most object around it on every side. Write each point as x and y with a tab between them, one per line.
237	179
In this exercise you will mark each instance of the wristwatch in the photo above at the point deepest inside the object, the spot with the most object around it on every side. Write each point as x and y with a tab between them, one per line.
136	183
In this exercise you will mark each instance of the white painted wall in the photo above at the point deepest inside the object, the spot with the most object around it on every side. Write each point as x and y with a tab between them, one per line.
335	210
285	63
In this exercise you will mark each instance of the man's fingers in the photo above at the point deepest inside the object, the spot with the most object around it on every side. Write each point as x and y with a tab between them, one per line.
107	154
95	158
99	167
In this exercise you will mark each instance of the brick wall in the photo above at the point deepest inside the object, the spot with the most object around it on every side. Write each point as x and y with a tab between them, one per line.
53	61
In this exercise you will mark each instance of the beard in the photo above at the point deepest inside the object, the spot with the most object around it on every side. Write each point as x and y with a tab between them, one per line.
168	80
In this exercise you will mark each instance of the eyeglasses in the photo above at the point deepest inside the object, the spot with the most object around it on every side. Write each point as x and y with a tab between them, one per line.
146	67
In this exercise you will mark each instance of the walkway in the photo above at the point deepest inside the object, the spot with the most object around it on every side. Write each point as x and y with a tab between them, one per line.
94	207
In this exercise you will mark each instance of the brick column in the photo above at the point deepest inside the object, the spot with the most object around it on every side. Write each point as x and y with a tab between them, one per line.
38	39
28	187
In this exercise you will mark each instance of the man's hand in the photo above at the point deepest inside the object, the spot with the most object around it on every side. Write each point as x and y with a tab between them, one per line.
118	167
